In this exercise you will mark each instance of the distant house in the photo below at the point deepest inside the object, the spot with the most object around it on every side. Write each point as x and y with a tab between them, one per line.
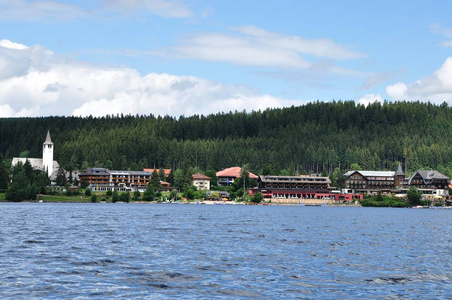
166	186
46	163
229	175
201	181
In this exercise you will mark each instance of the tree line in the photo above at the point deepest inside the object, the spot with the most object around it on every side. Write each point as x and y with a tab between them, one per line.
318	137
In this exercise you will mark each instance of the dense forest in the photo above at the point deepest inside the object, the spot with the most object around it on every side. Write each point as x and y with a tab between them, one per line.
316	137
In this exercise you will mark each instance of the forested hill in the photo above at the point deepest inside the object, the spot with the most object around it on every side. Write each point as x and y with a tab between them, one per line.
314	137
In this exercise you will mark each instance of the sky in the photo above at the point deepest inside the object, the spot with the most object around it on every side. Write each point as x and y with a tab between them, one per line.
187	57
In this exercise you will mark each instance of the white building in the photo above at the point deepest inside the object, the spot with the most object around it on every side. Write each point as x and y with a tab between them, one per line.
46	163
201	181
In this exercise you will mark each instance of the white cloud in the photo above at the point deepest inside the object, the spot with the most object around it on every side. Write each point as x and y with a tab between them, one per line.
447	32
252	46
435	88
46	10
370	98
38	10
6	111
11	45
48	84
167	8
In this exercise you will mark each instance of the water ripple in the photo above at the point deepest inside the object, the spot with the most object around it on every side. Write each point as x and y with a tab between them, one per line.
56	251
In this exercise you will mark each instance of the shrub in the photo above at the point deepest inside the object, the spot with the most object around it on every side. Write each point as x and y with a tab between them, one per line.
257	197
88	192
94	198
125	197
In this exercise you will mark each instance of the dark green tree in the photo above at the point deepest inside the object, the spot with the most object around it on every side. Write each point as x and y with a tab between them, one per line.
94	198
125	197
155	180
414	196
4	174
21	188
170	178
115	196
257	197
149	193
61	177
162	174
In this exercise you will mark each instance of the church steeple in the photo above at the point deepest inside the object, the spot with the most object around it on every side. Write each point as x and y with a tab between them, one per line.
48	140
47	155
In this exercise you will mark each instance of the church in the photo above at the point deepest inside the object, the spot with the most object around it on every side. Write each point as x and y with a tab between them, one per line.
46	163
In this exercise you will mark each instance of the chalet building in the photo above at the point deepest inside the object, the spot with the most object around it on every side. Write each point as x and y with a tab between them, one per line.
428	180
374	181
299	187
93	177
229	175
201	181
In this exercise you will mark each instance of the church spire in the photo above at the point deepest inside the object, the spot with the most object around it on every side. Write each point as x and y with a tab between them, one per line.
48	140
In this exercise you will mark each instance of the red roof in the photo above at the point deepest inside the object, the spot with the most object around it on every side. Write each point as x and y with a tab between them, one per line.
199	176
166	171
234	172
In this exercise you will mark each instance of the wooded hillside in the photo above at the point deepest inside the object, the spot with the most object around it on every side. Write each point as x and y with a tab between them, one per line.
312	138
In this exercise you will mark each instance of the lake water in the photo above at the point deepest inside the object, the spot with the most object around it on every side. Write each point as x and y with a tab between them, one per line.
99	251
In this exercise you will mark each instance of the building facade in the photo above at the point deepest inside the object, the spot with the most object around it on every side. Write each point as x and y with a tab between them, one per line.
201	181
101	179
300	187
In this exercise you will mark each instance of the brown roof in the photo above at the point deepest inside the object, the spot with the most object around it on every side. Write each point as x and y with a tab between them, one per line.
234	172
199	176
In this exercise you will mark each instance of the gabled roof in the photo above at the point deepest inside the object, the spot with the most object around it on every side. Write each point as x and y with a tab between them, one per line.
96	171
428	176
234	172
199	176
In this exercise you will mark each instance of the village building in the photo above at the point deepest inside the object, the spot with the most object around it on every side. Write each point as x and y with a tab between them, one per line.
229	175
101	179
201	182
299	188
372	182
46	163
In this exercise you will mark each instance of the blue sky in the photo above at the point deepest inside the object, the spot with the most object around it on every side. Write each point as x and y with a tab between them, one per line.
189	57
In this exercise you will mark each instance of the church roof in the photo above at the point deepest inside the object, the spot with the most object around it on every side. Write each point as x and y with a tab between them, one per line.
48	139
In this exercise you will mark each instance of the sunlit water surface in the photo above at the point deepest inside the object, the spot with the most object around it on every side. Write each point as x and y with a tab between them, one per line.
99	251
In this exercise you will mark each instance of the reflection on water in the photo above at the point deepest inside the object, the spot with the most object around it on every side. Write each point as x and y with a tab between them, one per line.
197	251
